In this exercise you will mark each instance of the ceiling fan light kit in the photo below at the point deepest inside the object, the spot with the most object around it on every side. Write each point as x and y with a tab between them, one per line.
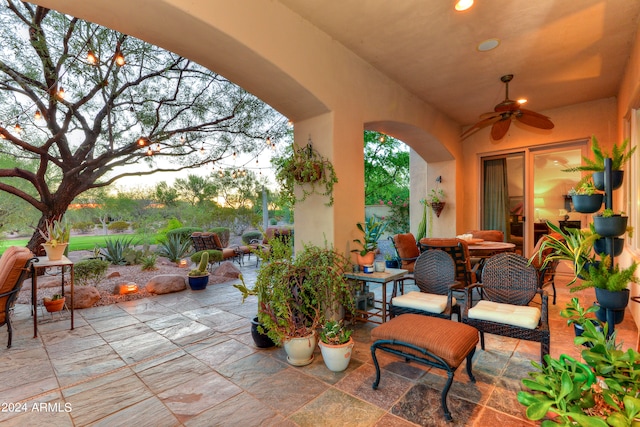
506	111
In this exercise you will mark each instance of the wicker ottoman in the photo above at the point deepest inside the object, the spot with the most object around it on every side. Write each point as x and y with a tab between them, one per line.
439	343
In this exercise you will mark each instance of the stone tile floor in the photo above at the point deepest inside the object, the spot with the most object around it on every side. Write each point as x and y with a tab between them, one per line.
187	359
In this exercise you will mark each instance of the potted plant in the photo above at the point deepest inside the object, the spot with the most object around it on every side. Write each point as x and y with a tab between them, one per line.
600	245
577	315
600	392
391	261
609	224
56	238
585	197
53	304
295	296
308	170
619	156
199	277
574	245
372	229
435	200
336	345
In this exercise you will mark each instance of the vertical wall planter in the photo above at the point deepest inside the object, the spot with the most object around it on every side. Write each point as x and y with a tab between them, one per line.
600	246
612	226
616	179
584	203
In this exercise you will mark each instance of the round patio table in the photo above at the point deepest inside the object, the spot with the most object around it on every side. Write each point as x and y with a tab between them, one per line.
486	248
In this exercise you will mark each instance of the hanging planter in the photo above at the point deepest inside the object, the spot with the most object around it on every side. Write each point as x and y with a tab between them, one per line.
437	208
306	170
616	179
609	224
584	203
600	246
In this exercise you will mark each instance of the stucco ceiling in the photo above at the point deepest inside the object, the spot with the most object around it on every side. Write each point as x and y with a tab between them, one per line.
561	52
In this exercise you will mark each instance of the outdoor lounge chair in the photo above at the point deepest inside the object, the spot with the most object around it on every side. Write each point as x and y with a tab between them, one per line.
509	283
15	266
210	241
434	275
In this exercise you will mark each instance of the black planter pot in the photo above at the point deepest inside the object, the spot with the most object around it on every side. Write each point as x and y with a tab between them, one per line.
587	203
260	340
618	316
394	263
612	226
613	300
600	246
579	330
616	178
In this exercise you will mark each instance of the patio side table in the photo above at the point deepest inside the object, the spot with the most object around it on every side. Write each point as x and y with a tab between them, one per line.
384	277
45	262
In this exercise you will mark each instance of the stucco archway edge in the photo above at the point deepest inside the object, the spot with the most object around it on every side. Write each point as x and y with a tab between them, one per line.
327	91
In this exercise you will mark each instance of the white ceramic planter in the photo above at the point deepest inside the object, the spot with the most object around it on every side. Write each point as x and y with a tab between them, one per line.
337	357
300	350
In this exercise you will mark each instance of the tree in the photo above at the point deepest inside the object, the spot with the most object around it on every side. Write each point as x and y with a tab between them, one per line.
386	168
194	189
91	106
240	188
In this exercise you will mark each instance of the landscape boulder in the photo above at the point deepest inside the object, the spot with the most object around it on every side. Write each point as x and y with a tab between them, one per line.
227	269
166	283
83	296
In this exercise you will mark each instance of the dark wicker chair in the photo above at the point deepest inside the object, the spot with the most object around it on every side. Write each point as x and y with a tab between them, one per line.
458	249
434	274
15	265
509	283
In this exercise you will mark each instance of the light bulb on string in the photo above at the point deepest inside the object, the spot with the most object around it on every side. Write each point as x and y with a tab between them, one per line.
202	150
17	128
268	140
119	57
182	140
141	141
61	93
381	138
91	57
157	147
149	152
234	155
37	115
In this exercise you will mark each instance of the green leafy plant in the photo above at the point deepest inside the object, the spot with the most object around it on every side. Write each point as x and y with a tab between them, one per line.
203	266
574	245
149	262
602	275
56	232
118	226
174	247
436	195
308	170
584	188
90	271
575	313
114	250
333	332
251	236
372	230
619	155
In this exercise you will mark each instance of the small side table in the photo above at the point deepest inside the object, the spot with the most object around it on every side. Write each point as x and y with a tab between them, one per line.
45	262
389	275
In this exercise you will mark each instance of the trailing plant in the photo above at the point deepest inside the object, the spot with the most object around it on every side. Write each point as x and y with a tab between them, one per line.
372	229
308	170
602	275
333	332
114	249
422	227
90	271
436	195
203	265
574	245
619	156
174	247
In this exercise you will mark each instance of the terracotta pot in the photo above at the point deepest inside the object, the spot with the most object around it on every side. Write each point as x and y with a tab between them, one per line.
54	253
55	305
367	259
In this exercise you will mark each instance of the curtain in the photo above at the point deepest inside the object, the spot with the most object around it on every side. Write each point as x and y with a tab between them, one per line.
496	197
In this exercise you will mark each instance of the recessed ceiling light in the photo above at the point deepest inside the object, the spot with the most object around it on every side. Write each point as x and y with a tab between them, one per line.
462	5
488	45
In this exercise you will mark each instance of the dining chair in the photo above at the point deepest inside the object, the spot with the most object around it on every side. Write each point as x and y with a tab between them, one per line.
458	249
488	235
407	249
434	275
509	284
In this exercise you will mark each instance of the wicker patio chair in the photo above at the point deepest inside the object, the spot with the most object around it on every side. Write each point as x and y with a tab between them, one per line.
458	249
15	265
434	274
509	283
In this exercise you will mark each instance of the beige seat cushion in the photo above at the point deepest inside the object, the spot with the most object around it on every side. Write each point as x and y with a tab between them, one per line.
430	303
452	341
515	315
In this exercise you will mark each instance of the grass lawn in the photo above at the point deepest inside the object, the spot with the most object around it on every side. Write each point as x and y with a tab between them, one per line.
76	243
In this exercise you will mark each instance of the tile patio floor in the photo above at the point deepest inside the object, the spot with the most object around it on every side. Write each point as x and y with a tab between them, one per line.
187	359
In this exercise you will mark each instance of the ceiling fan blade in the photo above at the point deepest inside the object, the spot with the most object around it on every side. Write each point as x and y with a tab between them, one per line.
500	128
480	125
489	115
534	119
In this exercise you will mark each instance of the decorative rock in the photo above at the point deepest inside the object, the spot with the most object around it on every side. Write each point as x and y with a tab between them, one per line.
49	282
83	296
166	283
114	274
227	269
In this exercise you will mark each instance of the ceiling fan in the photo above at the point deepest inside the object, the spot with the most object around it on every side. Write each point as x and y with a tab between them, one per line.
505	112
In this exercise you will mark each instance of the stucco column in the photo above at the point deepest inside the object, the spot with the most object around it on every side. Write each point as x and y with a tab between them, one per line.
340	139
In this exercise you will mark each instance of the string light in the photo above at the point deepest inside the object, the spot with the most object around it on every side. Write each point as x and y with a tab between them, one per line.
269	140
381	138
149	152
17	128
142	141
92	58
182	140
202	150
234	155
119	57
61	93
37	115
157	147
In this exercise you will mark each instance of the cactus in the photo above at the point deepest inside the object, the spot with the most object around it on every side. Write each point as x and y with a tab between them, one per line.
202	266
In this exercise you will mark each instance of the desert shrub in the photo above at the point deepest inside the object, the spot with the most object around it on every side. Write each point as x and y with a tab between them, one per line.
214	256
133	256
273	221
223	233
251	235
90	271
149	262
82	226
114	250
174	247
118	226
